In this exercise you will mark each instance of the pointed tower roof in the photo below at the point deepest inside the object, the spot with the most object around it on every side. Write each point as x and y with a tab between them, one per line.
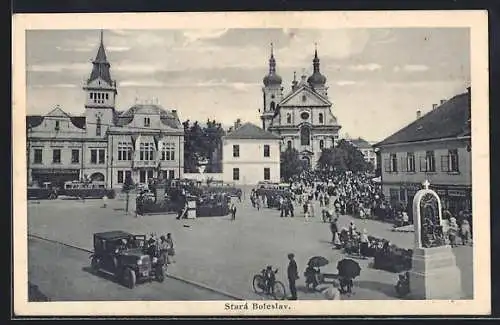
316	78
101	65
272	78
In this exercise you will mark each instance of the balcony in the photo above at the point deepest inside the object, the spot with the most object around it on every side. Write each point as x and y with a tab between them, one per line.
145	164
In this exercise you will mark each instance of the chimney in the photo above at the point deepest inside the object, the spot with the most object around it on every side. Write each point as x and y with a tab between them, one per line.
442	101
434	106
419	114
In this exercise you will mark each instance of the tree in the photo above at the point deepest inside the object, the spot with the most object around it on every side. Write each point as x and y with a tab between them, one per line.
127	186
291	165
345	156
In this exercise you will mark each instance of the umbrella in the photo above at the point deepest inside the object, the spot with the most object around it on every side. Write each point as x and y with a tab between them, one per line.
317	261
348	268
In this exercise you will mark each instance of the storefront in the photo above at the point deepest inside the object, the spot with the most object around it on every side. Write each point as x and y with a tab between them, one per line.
55	176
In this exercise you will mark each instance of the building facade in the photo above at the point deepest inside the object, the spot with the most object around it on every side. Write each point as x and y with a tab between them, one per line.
105	144
436	147
302	116
367	150
249	155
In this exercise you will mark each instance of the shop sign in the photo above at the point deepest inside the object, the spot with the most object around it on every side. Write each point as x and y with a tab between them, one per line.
441	192
55	171
457	193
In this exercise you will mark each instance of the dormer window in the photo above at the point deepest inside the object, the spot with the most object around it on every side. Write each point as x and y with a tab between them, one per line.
57	126
147	122
320	117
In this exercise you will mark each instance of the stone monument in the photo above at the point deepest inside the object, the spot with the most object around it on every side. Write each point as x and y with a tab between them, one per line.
434	273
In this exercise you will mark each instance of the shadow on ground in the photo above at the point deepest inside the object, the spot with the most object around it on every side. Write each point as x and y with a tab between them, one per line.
387	289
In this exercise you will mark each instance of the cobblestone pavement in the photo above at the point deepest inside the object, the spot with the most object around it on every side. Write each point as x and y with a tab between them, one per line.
225	254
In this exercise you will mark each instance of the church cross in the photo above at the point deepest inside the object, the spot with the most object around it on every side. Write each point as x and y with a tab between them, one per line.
426	184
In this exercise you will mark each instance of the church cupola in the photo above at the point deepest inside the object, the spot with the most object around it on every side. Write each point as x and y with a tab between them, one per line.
316	79
272	78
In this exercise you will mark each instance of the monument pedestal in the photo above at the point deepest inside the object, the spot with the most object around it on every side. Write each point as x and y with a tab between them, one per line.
435	275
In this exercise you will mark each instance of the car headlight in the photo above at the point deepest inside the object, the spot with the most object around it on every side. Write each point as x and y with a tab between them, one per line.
139	262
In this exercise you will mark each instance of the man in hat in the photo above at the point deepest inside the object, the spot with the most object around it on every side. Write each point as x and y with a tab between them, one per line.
293	275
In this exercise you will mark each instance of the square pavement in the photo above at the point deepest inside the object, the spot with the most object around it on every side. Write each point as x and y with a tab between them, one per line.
225	254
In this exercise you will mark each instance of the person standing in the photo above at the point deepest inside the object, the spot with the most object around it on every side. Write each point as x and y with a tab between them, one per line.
334	229
233	211
293	275
170	249
364	244
465	232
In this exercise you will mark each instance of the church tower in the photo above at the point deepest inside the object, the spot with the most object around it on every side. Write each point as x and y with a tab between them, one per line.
272	93
101	93
317	81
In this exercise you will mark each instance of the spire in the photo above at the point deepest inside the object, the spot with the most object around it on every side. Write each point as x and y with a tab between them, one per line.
272	61
100	64
316	59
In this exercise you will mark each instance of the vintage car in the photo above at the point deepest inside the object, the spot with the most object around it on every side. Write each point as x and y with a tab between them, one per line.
126	257
46	191
87	190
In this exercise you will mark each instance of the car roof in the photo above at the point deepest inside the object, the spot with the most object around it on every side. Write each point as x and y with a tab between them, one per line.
115	234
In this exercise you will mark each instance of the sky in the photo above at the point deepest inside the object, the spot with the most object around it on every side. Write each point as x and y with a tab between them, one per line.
377	78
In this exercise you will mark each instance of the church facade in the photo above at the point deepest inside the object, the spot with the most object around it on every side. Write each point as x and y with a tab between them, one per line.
302	115
104	144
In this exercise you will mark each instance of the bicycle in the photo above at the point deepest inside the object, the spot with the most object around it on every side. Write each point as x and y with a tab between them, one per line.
260	286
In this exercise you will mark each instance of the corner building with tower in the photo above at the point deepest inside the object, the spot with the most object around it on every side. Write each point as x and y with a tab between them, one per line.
302	116
104	144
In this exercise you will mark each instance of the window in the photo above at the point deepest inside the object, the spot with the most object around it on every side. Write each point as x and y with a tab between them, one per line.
147	121
289	118
273	106
320	117
394	162
57	126
430	162
171	174
146	151
321	144
93	156
38	156
305	135
266	150
304	98
142	176
289	144
124	151
410	162
267	174
128	175
236	174
394	194
107	96
91	95
236	150
449	163
150	174
304	115
102	156
75	156
98	127
168	151
56	156
120	177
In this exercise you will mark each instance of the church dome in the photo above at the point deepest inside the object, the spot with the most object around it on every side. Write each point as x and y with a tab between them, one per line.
316	79
272	79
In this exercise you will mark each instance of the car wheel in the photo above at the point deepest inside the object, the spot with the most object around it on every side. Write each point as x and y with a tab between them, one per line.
129	278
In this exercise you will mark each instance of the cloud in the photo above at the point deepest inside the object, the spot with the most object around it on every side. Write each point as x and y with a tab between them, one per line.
415	67
117	48
194	35
56	86
75	49
366	67
345	83
58	67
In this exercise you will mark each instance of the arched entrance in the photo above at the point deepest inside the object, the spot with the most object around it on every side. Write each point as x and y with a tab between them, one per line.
306	161
97	177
